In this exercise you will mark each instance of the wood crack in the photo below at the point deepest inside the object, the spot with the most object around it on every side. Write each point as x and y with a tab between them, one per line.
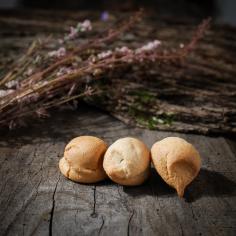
181	228
52	209
94	214
100	229
130	218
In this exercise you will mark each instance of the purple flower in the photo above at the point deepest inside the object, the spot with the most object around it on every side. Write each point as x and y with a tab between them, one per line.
104	16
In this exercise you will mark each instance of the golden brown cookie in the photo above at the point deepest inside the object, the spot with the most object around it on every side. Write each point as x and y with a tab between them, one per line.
82	161
176	161
127	161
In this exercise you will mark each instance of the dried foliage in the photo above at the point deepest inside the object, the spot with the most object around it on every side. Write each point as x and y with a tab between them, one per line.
44	78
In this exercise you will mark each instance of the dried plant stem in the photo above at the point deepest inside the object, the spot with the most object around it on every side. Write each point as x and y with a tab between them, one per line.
20	65
110	35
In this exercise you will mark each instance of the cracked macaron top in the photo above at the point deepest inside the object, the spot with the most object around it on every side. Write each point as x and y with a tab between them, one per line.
83	158
127	161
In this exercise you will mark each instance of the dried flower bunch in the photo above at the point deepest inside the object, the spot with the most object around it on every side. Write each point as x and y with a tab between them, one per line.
53	72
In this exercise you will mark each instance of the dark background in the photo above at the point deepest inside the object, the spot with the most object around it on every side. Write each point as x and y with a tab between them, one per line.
223	11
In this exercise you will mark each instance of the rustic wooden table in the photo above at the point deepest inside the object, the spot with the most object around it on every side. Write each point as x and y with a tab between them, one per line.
35	199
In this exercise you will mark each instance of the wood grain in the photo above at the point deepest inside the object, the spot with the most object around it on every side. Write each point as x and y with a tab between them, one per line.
35	199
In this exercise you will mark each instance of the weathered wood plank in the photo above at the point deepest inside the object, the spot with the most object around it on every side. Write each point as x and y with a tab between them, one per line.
36	199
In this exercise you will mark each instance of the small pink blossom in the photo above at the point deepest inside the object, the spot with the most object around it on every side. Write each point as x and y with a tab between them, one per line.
63	71
73	33
60	41
88	91
42	83
181	45
91	59
130	60
29	72
4	93
123	49
149	46
33	97
88	79
58	53
84	26
42	113
12	125
11	84
104	55
97	72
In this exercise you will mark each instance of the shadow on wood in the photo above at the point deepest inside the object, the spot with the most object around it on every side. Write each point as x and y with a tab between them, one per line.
74	123
208	183
154	186
105	182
